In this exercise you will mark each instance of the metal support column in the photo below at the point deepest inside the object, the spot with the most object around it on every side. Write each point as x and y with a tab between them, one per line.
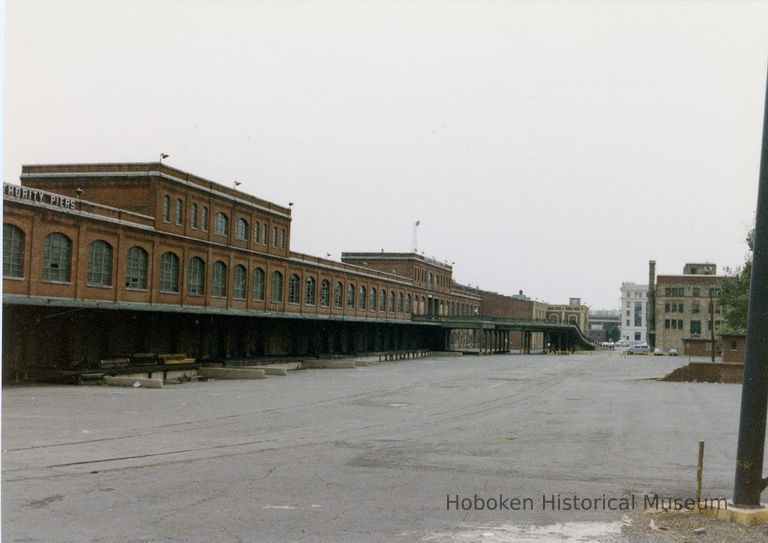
749	482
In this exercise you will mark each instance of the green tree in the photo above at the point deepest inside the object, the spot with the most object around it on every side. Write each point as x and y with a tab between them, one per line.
734	294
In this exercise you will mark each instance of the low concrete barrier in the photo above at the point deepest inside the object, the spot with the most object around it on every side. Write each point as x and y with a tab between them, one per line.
133	382
342	363
312	364
275	371
232	373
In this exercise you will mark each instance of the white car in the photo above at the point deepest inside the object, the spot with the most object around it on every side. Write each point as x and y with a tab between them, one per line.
638	349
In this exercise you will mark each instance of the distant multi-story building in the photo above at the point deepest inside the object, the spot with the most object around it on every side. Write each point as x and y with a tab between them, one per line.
573	313
633	309
686	309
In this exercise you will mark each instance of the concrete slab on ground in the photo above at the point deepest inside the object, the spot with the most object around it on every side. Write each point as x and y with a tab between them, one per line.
740	515
133	382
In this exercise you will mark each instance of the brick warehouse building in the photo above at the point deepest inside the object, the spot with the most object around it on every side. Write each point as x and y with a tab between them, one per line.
127	258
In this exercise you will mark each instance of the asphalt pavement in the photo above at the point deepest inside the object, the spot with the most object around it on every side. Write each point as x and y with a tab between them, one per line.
390	452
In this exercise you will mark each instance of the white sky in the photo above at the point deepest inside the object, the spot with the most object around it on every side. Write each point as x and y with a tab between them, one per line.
553	147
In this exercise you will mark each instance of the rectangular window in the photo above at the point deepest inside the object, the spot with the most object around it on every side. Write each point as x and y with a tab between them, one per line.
666	324
679	324
695	327
638	313
695	308
637	336
666	308
680	308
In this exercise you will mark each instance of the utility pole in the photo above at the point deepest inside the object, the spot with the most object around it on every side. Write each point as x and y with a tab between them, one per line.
749	482
712	320
414	240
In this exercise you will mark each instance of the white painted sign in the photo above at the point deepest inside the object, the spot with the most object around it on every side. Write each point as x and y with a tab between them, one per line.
38	196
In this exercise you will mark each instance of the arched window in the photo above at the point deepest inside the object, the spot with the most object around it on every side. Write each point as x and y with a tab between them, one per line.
204	219
277	287
350	296
392	301
257	290
221	224
136	268
282	238
408	303
256	232
573	319
430	278
361	298
264	233
274	236
99	263
169	272
399	302
372	300
383	300
337	295
309	291
553	318
294	284
166	208
179	207
241	229
13	251
219	279
238	282
57	256
193	217
325	293
196	276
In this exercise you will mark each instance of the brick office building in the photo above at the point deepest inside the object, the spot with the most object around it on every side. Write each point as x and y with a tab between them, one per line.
686	309
102	259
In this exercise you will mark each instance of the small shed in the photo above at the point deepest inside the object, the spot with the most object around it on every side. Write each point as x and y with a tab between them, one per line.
734	347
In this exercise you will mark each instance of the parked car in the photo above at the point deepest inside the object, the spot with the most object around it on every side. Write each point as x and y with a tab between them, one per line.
672	352
638	349
657	352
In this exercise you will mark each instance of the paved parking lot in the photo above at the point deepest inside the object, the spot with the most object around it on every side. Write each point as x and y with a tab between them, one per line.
365	454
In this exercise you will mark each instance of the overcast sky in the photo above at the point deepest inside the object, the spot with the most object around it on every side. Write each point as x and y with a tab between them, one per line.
550	147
